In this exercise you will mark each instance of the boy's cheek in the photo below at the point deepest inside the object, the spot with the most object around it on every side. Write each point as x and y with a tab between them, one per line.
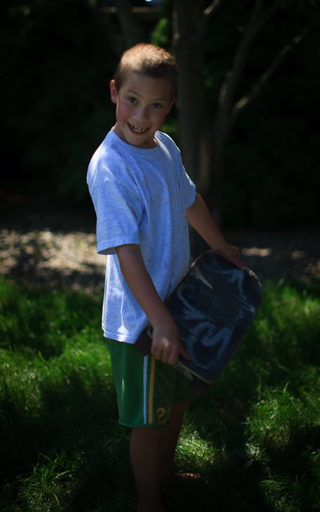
123	111
160	120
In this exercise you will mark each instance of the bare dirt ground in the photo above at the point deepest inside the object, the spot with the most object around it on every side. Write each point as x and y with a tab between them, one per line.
57	247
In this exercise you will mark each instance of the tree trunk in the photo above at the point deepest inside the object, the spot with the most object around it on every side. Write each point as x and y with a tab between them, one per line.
129	24
187	44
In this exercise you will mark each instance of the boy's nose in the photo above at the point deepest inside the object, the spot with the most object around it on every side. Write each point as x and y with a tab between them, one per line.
141	113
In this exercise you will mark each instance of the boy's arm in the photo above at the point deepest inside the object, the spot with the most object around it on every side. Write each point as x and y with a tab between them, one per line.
166	344
199	217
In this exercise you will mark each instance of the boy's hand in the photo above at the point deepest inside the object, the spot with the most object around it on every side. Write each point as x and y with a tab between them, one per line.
166	344
200	218
232	254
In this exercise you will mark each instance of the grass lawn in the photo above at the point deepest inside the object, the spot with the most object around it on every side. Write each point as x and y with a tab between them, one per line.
254	437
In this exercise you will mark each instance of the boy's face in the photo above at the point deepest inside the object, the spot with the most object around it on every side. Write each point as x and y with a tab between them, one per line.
142	104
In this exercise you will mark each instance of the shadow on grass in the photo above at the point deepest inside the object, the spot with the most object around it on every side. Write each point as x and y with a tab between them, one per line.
62	448
71	447
43	320
277	469
60	440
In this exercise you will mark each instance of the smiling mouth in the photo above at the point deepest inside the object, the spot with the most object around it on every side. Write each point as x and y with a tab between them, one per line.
137	129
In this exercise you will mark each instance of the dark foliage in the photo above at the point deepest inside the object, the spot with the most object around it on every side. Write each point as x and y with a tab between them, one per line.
56	63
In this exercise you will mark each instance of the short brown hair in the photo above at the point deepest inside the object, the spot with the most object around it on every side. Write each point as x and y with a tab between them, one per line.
148	60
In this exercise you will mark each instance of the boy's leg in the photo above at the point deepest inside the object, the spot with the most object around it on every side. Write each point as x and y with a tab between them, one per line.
145	454
147	400
152	456
170	436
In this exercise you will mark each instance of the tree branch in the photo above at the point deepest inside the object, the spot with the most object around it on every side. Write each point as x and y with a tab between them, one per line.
255	24
240	57
211	10
267	74
227	91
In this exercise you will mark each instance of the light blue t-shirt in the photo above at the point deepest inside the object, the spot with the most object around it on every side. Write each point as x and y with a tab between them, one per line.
140	197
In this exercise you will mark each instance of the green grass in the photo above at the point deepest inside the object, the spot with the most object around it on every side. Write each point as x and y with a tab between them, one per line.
254	437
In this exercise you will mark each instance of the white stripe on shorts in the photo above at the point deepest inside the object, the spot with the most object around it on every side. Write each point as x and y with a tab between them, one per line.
145	387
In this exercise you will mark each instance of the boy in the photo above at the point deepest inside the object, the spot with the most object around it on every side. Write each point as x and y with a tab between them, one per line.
144	200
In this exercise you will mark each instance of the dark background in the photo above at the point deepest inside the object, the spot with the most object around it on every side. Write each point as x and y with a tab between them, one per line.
57	59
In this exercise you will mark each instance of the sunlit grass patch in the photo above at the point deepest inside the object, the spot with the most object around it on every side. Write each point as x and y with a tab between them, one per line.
195	454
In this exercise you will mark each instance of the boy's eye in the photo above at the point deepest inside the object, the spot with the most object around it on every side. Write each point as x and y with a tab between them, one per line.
131	99
157	105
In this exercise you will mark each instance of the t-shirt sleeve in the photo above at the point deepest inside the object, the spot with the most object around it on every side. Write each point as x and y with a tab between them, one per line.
190	191
187	185
119	210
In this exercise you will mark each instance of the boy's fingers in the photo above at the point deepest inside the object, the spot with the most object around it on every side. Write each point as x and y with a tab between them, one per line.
174	356
235	259
184	354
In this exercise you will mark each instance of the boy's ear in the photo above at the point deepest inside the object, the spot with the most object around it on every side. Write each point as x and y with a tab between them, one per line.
172	102
113	92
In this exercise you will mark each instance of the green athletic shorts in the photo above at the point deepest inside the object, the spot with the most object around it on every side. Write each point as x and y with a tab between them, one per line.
146	388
